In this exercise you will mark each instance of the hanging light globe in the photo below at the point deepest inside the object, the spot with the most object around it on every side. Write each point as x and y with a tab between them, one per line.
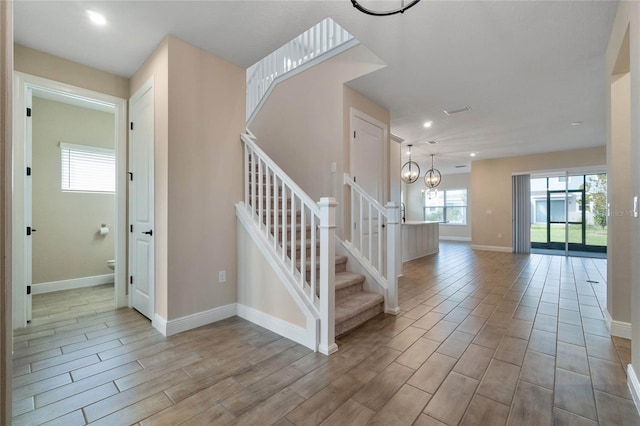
432	177
410	170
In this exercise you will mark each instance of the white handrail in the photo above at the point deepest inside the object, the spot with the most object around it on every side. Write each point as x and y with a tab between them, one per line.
300	232
372	225
316	41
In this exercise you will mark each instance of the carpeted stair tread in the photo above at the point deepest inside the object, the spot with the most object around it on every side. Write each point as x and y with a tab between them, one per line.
354	304
340	260
347	279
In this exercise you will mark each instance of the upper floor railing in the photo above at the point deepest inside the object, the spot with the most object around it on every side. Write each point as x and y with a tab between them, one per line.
316	41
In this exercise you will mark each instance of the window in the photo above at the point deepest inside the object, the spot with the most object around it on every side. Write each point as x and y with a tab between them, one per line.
87	168
448	206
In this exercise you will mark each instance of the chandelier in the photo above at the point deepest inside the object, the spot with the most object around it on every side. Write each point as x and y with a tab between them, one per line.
369	11
410	170
432	177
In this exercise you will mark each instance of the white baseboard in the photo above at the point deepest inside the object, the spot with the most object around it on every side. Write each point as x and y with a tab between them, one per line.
445	238
159	324
492	248
281	327
189	322
71	284
634	386
618	328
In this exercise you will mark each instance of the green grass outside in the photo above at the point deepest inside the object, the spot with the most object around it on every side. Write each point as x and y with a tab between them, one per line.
595	235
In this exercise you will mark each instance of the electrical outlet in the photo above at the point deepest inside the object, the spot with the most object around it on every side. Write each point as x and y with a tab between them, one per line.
499	235
489	212
334	167
222	276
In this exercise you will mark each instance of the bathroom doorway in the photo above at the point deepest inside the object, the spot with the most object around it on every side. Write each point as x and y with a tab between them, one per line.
71	236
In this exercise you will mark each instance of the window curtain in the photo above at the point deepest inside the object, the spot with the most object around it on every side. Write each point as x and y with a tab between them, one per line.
521	200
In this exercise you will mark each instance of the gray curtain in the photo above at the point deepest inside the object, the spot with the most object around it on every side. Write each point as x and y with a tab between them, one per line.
521	200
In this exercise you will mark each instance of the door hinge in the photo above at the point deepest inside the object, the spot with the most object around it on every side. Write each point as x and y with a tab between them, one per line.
28	112
130	228
28	289
354	178
354	134
131	176
130	279
132	125
28	230
28	171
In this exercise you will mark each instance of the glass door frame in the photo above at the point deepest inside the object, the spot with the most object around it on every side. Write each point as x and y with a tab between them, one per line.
566	245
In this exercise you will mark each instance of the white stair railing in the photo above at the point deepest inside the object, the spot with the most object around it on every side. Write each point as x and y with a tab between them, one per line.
375	239
289	219
316	41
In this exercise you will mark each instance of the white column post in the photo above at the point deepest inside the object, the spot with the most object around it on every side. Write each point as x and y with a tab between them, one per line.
327	343
394	257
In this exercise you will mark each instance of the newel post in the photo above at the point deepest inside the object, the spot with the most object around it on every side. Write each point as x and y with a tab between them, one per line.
394	256
327	343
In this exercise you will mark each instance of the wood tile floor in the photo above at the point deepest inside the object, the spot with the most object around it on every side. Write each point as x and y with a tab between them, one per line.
483	339
70	304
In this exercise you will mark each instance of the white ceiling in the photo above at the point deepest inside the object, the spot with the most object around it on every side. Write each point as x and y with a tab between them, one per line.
527	69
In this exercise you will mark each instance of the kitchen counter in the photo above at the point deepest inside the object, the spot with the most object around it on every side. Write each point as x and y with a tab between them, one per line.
419	239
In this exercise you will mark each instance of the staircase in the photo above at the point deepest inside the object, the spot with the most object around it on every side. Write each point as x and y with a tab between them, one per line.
296	236
353	304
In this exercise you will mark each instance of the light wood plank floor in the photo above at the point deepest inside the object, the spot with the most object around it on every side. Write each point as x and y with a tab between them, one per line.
483	339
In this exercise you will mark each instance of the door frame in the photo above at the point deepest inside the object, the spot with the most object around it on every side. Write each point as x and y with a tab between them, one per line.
23	85
384	179
147	86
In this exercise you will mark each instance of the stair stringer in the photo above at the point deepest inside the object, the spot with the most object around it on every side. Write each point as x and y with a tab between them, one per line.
309	335
374	282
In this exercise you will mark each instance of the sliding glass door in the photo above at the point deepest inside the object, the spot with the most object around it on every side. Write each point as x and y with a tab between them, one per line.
568	213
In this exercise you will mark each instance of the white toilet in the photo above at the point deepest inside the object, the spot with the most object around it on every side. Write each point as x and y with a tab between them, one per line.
111	264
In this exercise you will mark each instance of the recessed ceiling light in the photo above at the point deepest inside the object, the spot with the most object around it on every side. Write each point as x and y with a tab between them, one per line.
97	18
473	154
432	142
576	123
428	124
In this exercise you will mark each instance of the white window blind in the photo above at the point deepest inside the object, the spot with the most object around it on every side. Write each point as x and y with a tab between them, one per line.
87	168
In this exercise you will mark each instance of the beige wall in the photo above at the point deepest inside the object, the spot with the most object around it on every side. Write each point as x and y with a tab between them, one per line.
44	65
627	19
619	196
199	115
259	287
206	118
302	124
414	204
491	188
66	244
157	67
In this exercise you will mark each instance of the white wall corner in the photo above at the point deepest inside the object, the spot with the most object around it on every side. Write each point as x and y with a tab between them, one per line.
618	328
492	248
159	324
634	386
196	320
71	284
305	337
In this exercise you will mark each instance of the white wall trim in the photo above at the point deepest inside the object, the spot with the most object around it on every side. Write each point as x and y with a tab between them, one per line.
189	322
445	238
618	328
159	324
492	248
634	386
277	325
71	284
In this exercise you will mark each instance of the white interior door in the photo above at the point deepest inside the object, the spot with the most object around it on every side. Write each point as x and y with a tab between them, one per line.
367	168
141	210
28	204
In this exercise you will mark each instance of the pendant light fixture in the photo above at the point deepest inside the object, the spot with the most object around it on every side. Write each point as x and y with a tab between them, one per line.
432	177
410	170
404	5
